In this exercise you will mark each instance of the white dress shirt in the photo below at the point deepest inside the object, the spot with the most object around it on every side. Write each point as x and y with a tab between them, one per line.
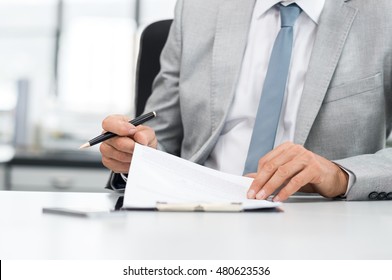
229	154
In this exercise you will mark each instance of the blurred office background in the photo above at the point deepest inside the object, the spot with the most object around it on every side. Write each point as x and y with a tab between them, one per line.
64	66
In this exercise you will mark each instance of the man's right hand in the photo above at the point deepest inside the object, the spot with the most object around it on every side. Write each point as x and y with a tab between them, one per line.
117	151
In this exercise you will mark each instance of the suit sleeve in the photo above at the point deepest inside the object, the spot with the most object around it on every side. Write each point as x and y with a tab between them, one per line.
165	99
373	175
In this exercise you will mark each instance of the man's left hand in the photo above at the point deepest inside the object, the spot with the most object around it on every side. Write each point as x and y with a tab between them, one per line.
291	168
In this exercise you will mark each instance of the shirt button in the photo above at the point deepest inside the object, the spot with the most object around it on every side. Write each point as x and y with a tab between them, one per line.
373	195
382	196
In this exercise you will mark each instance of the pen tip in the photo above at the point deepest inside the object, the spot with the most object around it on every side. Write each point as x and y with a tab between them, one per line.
155	114
85	145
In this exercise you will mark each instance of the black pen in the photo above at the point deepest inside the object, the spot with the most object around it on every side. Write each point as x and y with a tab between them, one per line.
107	135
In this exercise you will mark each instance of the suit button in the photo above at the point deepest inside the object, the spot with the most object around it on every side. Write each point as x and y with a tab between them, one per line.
389	196
373	195
382	196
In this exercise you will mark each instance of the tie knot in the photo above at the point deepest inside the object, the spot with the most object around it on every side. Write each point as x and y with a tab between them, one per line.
289	14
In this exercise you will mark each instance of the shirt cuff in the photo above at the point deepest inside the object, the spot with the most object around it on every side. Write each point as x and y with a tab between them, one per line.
124	177
351	180
116	183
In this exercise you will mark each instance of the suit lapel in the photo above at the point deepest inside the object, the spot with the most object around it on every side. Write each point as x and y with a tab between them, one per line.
231	36
333	29
233	22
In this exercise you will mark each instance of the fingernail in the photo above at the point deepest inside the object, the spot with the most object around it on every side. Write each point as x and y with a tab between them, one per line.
276	199
261	194
132	130
251	194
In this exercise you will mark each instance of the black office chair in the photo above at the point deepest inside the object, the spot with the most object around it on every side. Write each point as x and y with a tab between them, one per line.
152	41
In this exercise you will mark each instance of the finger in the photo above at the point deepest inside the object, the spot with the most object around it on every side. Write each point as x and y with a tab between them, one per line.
122	144
256	189
146	136
282	175
262	176
287	153
115	166
301	179
274	153
251	175
307	189
119	125
110	152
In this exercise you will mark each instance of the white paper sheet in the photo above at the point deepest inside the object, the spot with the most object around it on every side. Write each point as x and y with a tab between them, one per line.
156	176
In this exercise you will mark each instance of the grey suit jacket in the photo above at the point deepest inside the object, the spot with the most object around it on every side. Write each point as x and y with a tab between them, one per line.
345	113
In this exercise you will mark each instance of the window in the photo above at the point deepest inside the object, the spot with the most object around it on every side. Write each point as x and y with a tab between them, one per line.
76	60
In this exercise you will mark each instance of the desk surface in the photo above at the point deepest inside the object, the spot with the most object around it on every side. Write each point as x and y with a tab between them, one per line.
309	228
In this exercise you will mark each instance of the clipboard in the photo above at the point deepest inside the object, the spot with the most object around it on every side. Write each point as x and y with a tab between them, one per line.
196	207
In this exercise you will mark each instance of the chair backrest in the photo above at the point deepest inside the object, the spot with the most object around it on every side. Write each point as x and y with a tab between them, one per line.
152	41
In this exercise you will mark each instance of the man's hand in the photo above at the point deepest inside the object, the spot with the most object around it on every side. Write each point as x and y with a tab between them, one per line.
117	152
294	168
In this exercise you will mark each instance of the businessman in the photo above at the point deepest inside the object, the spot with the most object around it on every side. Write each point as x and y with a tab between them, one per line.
295	94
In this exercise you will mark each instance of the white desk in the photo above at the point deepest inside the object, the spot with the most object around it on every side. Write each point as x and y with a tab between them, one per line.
309	228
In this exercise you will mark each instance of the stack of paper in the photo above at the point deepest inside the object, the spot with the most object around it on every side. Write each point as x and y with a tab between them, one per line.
158	177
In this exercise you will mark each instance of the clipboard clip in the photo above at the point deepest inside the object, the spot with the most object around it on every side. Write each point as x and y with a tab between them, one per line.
199	207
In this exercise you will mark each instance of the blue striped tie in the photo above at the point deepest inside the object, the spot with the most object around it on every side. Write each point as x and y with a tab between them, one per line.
268	113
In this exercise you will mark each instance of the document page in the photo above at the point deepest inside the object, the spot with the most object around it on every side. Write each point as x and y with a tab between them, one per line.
158	177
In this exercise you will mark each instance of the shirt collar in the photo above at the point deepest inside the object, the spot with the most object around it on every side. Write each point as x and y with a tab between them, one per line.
312	8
